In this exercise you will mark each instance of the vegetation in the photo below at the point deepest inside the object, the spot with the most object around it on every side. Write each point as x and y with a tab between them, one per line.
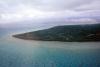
70	33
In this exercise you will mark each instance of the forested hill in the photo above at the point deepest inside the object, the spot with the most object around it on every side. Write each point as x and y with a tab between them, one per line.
68	33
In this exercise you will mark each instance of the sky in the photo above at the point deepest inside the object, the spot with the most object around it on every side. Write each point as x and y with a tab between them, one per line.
14	11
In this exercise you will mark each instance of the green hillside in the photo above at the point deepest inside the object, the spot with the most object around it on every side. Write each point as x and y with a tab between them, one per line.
69	33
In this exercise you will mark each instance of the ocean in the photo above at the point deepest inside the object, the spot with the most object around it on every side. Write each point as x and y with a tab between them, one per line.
29	53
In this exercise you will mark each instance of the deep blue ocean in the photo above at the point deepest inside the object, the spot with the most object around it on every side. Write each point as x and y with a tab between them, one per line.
24	53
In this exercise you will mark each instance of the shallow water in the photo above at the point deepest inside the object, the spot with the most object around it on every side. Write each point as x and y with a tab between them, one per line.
24	53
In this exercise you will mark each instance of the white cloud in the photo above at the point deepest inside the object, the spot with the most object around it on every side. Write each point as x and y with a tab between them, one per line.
81	21
19	10
94	5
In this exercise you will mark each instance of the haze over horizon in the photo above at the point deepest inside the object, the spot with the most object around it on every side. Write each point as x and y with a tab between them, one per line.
49	12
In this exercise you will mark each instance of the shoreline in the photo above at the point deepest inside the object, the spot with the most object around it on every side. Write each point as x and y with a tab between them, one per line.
47	40
55	44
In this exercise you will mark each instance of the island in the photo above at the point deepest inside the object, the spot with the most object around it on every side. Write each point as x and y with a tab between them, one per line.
67	33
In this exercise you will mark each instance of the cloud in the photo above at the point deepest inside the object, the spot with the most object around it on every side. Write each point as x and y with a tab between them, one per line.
58	4
20	10
51	5
94	5
82	21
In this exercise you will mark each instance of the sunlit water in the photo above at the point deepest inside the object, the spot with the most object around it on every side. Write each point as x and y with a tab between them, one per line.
28	53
